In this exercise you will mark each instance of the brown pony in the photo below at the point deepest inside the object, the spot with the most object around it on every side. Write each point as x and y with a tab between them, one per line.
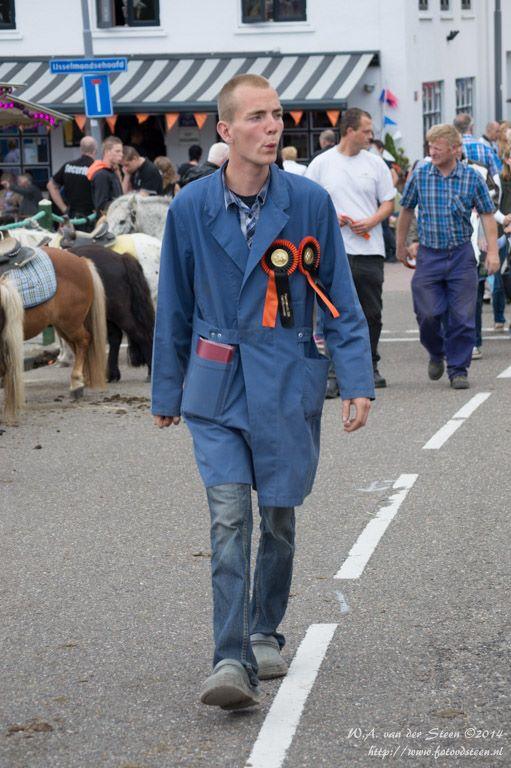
77	312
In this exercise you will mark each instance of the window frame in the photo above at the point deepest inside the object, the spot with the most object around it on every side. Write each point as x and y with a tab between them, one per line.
105	16
423	6
11	24
445	6
464	86
466	5
261	18
432	115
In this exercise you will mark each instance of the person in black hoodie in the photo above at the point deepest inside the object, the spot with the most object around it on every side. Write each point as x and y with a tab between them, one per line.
104	175
217	155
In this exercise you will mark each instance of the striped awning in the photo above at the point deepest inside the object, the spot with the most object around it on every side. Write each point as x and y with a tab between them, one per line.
158	84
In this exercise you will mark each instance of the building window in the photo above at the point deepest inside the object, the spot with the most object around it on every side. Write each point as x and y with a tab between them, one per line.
7	17
445	5
465	95
431	104
127	13
254	11
305	135
423	5
466	5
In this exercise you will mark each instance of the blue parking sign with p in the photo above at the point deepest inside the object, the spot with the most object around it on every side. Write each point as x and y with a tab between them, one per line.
96	90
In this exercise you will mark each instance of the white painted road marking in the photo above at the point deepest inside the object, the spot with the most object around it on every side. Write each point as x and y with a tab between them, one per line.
505	374
278	729
361	551
469	408
416	340
445	432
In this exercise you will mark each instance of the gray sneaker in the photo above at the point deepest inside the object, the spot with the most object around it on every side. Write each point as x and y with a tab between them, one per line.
267	652
460	382
436	369
229	687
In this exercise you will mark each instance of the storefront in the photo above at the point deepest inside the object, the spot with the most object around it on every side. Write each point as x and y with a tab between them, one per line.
163	104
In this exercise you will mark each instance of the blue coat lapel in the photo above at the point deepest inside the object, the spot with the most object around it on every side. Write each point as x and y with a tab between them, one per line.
272	220
224	224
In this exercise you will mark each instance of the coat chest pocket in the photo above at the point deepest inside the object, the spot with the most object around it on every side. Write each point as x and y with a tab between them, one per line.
314	387
207	386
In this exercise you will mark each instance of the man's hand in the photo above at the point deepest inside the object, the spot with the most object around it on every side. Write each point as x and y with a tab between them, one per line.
353	421
363	226
403	254
492	263
166	421
343	220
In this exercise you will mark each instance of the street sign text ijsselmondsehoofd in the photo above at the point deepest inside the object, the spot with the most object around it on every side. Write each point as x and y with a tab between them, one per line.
95	83
98	100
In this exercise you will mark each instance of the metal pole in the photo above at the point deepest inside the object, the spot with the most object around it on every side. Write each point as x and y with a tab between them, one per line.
497	19
93	126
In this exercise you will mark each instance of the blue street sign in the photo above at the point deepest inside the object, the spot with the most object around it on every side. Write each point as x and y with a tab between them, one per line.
98	101
88	66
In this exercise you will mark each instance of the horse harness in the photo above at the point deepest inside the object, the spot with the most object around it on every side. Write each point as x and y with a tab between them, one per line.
99	236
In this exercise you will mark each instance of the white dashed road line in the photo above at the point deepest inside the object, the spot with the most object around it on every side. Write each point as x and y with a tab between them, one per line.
387	340
279	727
505	374
445	432
368	540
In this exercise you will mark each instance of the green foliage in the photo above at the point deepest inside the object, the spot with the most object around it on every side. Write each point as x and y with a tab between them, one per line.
397	153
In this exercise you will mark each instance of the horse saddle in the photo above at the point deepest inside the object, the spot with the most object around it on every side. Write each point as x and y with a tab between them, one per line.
13	255
101	235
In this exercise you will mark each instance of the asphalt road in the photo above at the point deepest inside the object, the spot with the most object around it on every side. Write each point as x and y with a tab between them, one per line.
105	595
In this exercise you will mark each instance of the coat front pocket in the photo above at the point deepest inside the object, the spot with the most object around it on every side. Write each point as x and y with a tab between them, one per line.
314	387
206	386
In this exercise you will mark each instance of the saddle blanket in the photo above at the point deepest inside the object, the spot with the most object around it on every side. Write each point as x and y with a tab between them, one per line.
36	281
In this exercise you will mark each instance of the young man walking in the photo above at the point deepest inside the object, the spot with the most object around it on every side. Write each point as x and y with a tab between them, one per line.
234	354
360	185
444	286
104	175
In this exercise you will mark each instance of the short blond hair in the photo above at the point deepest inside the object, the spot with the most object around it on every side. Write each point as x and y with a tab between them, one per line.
226	98
444	131
289	153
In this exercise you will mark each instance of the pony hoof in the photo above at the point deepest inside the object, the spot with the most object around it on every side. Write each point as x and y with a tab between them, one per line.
114	377
77	394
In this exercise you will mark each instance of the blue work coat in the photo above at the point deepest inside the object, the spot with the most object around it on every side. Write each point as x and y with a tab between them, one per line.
255	419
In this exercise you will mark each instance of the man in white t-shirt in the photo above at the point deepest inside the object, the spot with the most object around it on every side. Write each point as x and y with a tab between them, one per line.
360	185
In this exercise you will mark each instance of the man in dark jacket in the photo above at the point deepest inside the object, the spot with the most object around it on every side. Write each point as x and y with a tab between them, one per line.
140	174
194	158
217	156
29	193
104	175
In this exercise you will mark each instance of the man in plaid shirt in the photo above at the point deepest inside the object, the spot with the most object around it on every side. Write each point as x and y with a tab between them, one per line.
476	151
444	286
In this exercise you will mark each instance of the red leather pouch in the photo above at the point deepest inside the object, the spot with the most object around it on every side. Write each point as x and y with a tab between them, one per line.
214	350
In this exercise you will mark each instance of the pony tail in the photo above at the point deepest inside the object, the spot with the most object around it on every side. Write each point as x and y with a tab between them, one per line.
11	349
140	339
94	367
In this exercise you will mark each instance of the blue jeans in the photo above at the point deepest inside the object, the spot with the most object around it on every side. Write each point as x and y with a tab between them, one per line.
444	289
235	615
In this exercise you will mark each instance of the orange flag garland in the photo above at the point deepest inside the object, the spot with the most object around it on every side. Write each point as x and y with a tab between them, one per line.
200	118
80	121
171	119
333	116
297	116
111	121
142	117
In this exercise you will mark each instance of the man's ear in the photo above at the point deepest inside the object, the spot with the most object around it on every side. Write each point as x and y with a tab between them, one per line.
224	132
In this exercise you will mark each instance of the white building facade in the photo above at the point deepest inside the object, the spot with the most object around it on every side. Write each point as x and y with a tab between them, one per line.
435	56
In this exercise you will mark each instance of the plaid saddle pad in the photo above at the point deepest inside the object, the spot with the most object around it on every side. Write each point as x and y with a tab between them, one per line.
36	281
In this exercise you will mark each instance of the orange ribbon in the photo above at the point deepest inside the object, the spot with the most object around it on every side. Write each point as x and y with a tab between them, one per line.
309	266
271	267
